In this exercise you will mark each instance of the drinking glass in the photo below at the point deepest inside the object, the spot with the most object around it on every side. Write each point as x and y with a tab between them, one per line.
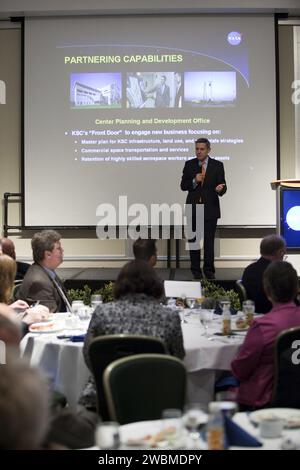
191	302
194	420
225	304
249	309
171	303
172	426
108	435
84	313
206	317
76	305
96	299
228	404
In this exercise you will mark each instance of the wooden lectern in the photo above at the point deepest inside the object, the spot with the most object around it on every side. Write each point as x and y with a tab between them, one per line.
290	183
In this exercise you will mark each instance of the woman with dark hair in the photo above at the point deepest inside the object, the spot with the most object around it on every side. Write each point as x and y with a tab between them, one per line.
135	310
254	364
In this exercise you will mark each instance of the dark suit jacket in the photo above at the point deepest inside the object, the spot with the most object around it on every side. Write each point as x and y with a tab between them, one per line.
214	175
37	285
22	269
253	283
162	98
178	95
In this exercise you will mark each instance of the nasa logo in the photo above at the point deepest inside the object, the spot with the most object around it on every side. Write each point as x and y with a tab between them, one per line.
234	38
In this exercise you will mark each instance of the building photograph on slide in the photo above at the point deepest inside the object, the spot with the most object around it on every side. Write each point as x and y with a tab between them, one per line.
95	90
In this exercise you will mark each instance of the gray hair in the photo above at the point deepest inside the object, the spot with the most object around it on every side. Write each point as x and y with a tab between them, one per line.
271	244
43	241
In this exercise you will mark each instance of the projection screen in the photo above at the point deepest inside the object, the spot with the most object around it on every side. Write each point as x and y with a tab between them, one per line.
113	106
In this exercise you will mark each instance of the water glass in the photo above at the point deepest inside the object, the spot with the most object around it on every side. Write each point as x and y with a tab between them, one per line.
228	404
76	305
72	322
96	299
249	309
108	435
195	418
84	312
190	302
171	303
172	426
225	305
206	317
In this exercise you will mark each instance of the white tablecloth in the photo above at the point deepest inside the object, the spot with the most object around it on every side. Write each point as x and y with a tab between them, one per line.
63	361
136	431
243	420
206	358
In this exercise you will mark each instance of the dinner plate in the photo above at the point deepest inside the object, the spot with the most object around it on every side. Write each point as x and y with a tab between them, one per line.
45	327
141	434
291	416
240	330
151	435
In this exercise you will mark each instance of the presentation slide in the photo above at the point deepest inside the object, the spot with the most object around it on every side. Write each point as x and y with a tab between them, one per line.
113	106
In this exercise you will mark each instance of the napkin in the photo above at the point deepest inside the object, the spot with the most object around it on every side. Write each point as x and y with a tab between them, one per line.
77	338
237	436
219	311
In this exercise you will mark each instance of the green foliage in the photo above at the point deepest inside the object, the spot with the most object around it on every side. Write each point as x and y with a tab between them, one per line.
81	294
214	291
107	292
85	293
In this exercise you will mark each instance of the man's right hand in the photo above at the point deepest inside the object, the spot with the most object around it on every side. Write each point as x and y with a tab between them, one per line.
199	178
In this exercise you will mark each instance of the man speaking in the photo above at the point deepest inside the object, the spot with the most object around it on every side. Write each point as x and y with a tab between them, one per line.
204	179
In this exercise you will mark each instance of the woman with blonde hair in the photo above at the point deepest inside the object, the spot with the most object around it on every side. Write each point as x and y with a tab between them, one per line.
27	315
7	276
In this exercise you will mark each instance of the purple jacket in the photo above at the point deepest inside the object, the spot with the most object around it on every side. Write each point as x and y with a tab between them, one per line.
254	364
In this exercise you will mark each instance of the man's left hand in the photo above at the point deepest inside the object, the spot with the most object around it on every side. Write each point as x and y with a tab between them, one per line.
220	188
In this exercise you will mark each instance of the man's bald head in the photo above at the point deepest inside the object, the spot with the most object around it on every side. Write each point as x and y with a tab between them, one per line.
8	247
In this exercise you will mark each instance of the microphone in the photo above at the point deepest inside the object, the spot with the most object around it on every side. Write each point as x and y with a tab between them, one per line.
200	166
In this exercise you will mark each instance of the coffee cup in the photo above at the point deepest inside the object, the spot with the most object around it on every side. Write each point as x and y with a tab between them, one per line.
271	427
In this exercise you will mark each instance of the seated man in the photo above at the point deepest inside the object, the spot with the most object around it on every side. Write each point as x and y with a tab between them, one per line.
41	282
272	248
145	249
8	248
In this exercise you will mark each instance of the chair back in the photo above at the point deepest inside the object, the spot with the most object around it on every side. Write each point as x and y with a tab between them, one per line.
287	369
105	349
241	290
140	387
16	288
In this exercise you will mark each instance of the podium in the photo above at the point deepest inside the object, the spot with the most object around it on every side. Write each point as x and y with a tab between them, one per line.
289	183
288	211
